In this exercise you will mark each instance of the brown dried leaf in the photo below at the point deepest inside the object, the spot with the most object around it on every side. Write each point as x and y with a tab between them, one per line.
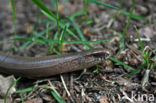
103	99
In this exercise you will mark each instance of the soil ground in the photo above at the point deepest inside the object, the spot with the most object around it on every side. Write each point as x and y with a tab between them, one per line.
108	83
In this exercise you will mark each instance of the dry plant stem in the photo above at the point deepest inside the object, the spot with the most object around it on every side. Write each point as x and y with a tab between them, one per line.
145	78
83	72
69	95
126	96
53	88
71	85
134	49
143	39
137	57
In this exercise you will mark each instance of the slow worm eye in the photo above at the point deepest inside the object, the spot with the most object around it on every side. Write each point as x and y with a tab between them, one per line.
107	54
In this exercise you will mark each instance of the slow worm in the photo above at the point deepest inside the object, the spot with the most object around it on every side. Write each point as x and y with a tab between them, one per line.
33	67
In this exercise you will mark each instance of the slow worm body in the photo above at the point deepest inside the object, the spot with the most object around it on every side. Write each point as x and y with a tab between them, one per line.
33	67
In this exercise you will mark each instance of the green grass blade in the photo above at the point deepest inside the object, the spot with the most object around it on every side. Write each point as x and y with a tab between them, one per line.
135	71
53	44
140	42
58	26
14	17
48	31
45	40
116	33
78	30
62	25
40	4
80	33
121	63
79	13
104	4
5	97
61	39
80	42
22	99
96	70
50	45
153	66
25	90
58	98
77	27
51	16
129	18
116	8
36	35
85	9
122	43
